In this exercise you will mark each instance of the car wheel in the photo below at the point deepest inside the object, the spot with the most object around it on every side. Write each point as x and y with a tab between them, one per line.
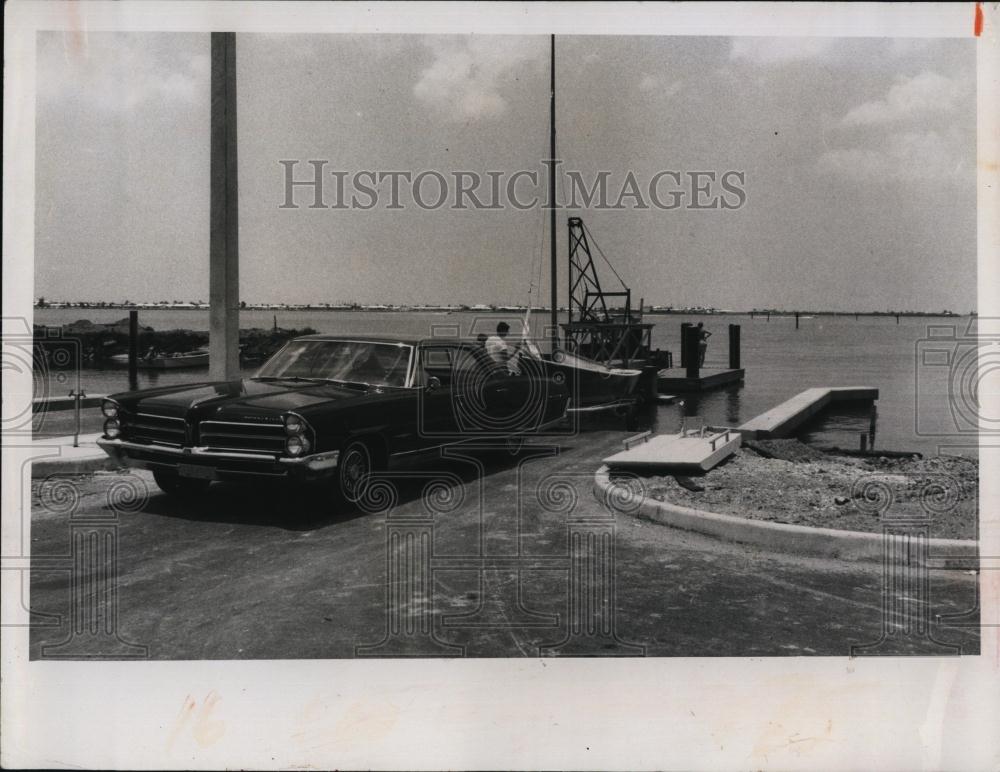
173	484
354	471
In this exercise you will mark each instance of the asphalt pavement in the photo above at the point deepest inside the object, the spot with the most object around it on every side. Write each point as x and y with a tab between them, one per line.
484	555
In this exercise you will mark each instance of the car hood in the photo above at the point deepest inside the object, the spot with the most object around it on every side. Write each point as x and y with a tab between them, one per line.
244	398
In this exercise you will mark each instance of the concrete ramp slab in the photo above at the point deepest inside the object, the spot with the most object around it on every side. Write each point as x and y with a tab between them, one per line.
689	451
784	419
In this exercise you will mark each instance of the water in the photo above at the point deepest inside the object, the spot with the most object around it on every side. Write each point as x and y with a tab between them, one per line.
915	411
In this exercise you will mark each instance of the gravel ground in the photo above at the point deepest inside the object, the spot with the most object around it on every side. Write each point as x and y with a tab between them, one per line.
803	486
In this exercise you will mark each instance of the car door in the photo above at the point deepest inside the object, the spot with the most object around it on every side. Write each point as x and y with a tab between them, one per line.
489	396
437	418
520	395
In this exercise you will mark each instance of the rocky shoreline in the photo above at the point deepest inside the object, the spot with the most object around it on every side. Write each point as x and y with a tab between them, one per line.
93	345
785	481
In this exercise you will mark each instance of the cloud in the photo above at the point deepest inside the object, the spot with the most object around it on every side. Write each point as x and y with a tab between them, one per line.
649	84
778	50
911	97
907	156
464	81
119	72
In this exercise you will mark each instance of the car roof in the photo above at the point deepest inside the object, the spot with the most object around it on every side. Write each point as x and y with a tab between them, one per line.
409	340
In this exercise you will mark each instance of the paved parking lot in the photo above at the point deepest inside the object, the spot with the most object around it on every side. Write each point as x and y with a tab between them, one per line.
485	555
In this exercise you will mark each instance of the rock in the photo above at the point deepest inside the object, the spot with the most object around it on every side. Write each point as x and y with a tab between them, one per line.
840	500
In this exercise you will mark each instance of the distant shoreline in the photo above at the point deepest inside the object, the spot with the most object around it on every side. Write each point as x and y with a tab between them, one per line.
656	311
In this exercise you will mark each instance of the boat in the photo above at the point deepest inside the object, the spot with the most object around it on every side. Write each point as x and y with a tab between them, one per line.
600	344
181	359
593	385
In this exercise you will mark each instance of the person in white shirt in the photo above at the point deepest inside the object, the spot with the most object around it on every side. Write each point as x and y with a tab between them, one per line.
496	345
500	351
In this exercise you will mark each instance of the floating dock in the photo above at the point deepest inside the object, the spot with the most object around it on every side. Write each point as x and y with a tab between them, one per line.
783	420
706	379
689	451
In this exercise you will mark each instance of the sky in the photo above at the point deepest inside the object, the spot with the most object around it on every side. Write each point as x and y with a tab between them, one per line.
858	157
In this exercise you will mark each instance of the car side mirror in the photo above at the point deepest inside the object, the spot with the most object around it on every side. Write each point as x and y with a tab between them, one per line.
433	383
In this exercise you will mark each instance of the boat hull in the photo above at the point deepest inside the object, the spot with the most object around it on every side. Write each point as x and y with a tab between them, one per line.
591	384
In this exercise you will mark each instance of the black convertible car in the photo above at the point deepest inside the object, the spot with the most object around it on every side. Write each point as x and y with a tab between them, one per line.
331	407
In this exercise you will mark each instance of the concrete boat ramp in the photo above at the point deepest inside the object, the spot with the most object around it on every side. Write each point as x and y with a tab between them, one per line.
694	451
783	420
700	451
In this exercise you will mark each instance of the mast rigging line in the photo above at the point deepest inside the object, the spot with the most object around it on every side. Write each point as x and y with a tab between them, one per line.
600	251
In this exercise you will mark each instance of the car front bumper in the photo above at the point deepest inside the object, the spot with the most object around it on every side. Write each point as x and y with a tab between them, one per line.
223	464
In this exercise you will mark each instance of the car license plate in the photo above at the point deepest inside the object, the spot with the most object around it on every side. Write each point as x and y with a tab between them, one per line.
193	470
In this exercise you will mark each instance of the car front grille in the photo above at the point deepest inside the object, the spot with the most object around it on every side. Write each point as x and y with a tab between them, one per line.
155	429
248	437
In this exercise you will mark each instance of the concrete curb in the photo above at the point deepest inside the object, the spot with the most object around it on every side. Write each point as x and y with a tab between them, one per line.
779	537
82	460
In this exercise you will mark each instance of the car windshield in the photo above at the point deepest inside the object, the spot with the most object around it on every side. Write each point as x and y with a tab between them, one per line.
376	364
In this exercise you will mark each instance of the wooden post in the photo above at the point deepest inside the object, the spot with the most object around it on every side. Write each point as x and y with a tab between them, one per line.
684	343
224	276
734	347
553	269
693	337
133	350
796	320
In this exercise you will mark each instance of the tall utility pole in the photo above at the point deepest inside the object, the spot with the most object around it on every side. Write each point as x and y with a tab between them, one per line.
224	257
554	275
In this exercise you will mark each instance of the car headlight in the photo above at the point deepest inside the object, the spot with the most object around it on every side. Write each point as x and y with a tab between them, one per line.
297	445
112	429
294	424
110	408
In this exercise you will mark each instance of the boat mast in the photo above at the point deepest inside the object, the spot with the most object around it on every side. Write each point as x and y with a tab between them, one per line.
554	274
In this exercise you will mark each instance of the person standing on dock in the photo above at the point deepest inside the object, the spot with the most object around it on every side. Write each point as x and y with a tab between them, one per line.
703	336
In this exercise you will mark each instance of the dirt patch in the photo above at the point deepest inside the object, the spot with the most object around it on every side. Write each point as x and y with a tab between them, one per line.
831	491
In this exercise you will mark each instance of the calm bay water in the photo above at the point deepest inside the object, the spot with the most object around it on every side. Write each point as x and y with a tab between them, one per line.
915	411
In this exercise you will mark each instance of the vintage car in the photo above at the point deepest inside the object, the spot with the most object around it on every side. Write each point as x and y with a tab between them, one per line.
331	408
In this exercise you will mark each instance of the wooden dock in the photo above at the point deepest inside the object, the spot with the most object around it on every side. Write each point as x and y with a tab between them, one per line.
783	420
706	379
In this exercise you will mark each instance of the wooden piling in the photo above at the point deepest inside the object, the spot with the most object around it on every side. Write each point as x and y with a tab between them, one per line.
693	338
734	347
796	320
133	350
685	326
